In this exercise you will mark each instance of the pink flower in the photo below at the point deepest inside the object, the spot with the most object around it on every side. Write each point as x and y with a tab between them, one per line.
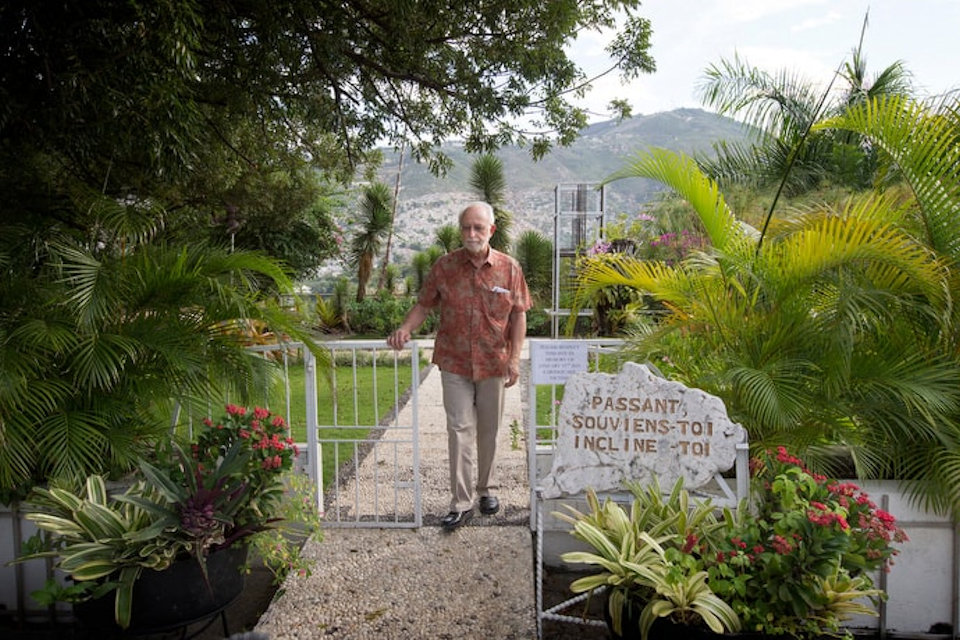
234	410
781	545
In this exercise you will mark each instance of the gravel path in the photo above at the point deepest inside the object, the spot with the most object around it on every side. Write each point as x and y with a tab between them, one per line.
476	582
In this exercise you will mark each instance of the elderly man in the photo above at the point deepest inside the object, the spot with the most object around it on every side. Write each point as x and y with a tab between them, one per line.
483	300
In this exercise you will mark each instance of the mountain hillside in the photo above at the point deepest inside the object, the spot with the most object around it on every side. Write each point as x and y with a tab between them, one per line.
427	202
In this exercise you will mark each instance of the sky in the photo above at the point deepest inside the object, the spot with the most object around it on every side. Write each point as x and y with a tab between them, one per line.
808	37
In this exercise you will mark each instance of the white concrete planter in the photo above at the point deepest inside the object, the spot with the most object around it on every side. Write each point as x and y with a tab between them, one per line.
18	581
922	585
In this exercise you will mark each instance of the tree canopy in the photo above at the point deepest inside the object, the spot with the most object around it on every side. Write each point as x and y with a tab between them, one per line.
213	111
145	82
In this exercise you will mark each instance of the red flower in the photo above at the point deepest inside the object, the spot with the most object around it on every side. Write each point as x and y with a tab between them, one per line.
234	410
781	545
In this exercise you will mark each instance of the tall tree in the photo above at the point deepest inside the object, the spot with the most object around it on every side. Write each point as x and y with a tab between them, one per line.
486	177
329	80
393	217
534	252
780	108
373	224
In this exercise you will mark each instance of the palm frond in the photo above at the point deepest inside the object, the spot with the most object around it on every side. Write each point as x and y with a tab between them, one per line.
681	173
781	104
925	146
487	179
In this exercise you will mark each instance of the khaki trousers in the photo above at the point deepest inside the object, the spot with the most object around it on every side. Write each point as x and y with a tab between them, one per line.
474	409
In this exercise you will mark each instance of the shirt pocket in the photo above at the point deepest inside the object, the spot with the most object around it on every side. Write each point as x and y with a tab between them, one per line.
498	303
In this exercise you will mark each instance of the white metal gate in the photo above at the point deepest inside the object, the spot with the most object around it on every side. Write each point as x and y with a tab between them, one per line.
359	411
374	468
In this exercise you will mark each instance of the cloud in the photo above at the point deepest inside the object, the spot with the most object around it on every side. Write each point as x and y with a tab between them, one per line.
808	38
831	17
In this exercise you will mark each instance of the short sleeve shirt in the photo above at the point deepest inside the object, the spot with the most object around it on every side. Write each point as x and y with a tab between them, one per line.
475	306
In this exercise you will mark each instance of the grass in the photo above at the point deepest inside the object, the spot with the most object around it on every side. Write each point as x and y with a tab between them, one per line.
346	412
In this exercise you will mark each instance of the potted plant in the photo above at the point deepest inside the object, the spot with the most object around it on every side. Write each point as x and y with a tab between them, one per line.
795	561
193	509
800	561
649	572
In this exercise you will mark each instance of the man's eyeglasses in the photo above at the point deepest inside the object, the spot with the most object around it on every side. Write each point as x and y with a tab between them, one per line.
476	228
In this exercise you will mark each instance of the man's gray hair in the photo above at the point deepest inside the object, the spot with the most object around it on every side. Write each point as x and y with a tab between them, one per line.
482	206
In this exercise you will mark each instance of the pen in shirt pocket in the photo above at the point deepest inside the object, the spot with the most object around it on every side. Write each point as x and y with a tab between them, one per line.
500	290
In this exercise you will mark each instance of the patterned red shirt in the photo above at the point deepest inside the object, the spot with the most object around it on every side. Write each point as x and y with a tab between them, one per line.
475	306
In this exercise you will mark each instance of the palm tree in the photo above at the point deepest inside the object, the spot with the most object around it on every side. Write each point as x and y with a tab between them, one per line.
838	332
780	108
422	261
486	177
448	237
100	339
534	252
341	292
393	216
376	216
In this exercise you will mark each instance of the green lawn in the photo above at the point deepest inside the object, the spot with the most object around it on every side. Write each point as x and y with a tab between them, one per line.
354	405
355	409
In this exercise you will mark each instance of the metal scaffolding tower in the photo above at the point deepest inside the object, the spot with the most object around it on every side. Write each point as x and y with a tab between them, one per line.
577	224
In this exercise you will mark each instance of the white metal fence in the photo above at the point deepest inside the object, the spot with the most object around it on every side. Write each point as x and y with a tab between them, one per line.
376	479
365	435
363	439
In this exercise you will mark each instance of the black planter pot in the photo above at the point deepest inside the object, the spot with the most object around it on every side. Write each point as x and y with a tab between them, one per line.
173	598
662	628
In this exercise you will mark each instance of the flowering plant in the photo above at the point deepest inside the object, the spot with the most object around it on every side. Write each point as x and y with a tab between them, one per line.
795	561
229	485
268	452
781	566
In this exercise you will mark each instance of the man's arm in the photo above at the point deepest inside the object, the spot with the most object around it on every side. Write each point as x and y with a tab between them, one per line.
411	323
518	331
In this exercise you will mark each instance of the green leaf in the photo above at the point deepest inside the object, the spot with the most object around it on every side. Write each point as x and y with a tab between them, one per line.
123	605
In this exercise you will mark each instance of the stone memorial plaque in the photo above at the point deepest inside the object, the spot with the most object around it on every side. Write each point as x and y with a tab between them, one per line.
638	426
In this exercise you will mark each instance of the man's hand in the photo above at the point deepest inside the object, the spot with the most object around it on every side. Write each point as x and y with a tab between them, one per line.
513	374
414	319
398	338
